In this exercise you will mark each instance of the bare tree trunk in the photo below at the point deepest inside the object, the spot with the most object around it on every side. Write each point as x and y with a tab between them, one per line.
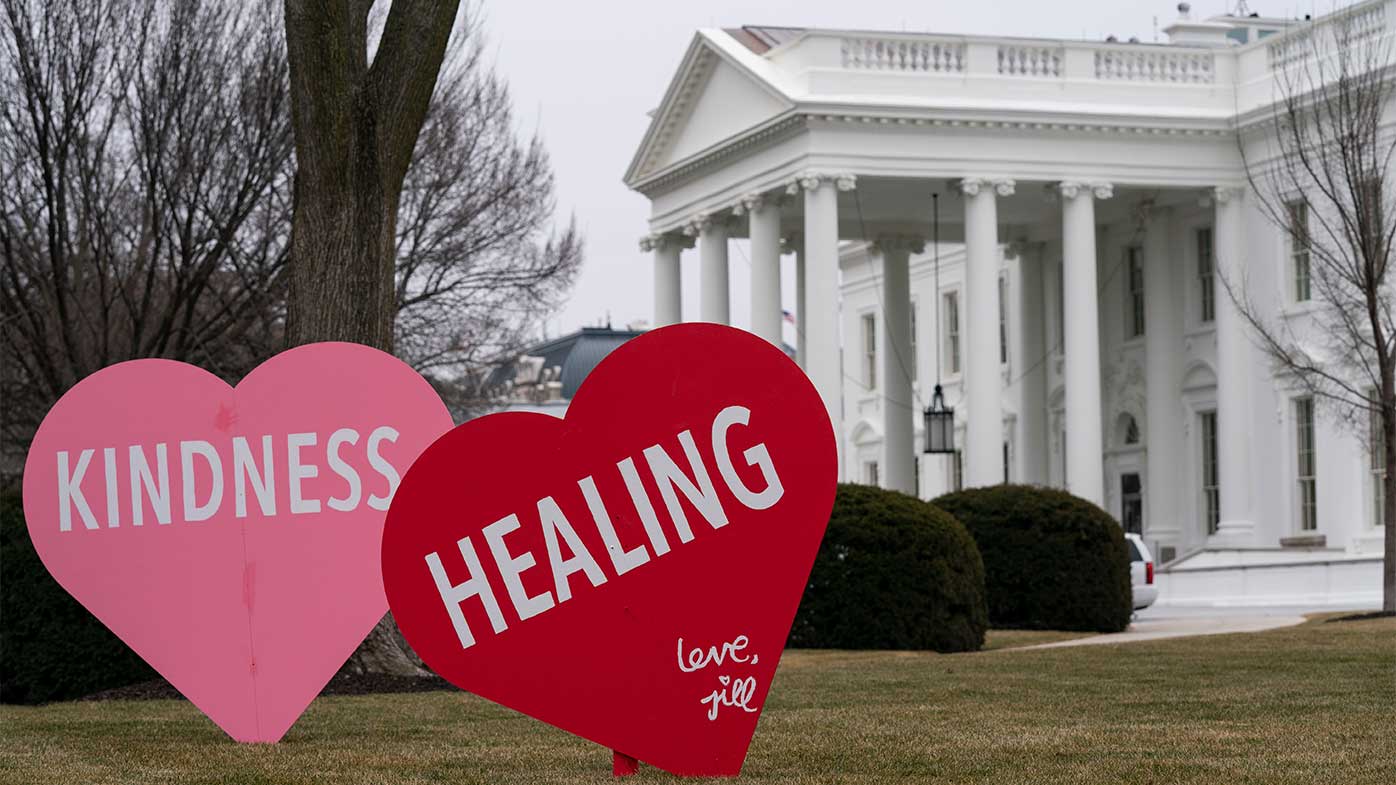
1388	429
356	124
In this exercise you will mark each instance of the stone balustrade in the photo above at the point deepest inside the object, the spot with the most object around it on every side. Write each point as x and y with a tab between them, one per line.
1212	79
903	54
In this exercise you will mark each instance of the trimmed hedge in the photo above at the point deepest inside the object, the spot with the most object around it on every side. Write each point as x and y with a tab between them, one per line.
1051	560
893	572
51	648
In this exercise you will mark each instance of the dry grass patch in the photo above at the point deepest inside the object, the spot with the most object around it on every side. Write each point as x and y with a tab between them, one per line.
1307	704
1016	639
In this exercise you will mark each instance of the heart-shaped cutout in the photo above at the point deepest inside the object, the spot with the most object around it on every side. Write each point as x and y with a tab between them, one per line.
628	574
230	536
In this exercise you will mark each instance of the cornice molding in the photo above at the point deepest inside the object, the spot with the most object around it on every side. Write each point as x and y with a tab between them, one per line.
786	125
796	120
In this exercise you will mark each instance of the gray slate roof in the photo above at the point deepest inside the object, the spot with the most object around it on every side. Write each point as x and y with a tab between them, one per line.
578	353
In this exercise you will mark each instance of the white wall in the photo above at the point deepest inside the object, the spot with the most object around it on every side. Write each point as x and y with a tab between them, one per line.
1344	487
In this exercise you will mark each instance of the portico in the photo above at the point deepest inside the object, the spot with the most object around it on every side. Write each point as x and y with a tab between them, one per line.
820	213
1092	207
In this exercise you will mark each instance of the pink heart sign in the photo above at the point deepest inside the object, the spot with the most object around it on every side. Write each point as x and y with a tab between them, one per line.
628	574
230	535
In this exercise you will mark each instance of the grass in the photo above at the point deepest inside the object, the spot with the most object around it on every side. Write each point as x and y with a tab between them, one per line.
1308	704
1013	639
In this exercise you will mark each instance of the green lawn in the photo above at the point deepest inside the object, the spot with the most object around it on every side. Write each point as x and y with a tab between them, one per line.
1013	639
1310	704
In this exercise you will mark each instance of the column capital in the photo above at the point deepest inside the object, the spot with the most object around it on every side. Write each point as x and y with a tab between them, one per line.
702	222
810	180
658	241
971	186
1226	193
911	243
1070	189
757	201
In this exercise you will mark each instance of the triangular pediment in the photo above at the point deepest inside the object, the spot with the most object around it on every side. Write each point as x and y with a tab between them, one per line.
712	98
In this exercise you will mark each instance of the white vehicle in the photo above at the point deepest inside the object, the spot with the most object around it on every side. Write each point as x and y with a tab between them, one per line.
1141	572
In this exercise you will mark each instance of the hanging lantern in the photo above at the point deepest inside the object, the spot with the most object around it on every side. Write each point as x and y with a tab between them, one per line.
940	425
940	421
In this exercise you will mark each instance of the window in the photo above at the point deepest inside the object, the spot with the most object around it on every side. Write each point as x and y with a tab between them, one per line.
1206	278
1304	463
1211	489
1299	249
957	471
1377	464
952	332
870	475
1134	303
913	342
1005	463
870	351
1003	319
1061	310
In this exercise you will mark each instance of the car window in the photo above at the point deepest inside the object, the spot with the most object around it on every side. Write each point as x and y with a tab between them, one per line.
1134	554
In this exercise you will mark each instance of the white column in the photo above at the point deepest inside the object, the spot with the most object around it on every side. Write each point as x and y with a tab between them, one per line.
668	294
1084	444
714	303
983	375
763	215
824	363
801	310
898	408
1163	352
1233	371
1029	366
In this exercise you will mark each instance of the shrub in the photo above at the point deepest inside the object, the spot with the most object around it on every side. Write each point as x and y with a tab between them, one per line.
893	572
1051	560
51	648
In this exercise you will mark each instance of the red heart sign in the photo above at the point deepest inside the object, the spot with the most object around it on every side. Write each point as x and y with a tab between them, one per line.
628	574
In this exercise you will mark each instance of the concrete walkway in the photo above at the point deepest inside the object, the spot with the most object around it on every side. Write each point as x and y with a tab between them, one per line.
1157	623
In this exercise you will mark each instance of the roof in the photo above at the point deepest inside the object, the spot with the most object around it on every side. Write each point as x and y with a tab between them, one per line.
574	354
763	39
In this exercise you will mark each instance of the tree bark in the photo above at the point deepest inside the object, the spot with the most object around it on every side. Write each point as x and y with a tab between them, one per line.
355	125
1388	428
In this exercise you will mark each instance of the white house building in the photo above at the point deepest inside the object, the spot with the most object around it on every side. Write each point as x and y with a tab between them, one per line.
1092	198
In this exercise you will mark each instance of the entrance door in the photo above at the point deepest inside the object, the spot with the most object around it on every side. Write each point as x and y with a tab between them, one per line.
1131	503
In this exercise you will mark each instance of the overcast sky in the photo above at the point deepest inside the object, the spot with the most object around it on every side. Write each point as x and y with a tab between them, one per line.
585	72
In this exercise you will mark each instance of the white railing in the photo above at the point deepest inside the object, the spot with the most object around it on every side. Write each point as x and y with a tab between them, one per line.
1164	69
1289	49
1348	28
1360	24
1027	60
1154	64
903	54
